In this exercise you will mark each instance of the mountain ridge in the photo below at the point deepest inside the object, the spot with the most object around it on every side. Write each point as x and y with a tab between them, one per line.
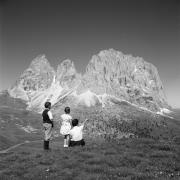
109	72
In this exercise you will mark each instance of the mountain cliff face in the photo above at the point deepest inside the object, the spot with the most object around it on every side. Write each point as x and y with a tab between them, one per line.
110	77
125	77
37	77
66	75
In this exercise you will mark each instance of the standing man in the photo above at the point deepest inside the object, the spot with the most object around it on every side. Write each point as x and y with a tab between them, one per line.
47	124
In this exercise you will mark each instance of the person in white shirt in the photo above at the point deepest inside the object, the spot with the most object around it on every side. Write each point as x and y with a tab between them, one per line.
76	134
66	126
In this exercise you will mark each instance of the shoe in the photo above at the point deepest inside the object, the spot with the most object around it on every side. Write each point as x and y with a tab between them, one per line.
65	145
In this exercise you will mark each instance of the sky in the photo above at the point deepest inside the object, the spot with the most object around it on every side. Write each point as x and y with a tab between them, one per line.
78	29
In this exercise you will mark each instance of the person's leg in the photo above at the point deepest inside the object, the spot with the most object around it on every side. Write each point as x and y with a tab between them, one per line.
77	143
72	143
45	136
68	138
46	145
48	134
82	142
65	141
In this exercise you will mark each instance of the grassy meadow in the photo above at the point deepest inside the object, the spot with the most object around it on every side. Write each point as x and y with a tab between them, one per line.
122	142
130	159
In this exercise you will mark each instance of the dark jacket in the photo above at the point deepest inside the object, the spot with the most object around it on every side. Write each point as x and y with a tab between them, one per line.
46	117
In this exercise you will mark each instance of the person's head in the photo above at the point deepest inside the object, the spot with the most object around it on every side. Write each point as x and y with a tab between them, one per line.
75	122
47	105
67	110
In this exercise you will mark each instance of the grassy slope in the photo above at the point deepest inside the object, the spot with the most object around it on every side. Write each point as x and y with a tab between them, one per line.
113	121
155	154
13	112
141	158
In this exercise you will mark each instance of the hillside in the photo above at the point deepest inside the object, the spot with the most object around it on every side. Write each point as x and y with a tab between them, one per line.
16	123
111	122
121	119
122	142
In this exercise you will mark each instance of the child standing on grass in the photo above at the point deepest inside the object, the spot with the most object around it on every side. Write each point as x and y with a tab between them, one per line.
76	133
66	125
47	124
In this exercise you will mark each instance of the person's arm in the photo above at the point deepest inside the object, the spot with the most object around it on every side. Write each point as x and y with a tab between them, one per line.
70	119
84	123
51	117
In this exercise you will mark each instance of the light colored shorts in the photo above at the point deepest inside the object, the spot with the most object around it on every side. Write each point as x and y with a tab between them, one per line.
47	131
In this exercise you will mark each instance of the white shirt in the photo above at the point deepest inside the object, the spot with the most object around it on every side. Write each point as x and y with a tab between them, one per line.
50	115
76	133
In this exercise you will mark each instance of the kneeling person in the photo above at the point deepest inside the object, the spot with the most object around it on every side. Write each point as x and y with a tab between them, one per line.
76	134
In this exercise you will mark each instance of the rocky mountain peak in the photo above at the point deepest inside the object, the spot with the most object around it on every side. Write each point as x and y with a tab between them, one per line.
37	77
126	77
39	59
66	68
110	76
67	74
40	63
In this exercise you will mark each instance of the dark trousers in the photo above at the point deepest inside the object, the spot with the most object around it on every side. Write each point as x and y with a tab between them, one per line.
77	143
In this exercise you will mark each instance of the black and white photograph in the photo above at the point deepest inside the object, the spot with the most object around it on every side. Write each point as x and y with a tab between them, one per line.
90	89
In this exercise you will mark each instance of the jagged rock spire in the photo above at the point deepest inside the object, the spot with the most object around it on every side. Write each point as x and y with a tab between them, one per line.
67	74
110	72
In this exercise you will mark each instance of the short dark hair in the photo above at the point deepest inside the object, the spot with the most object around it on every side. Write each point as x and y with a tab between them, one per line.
75	122
67	110
47	105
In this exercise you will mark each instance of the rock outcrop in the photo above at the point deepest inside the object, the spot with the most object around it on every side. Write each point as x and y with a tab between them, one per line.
37	77
126	77
110	76
66	75
40	83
